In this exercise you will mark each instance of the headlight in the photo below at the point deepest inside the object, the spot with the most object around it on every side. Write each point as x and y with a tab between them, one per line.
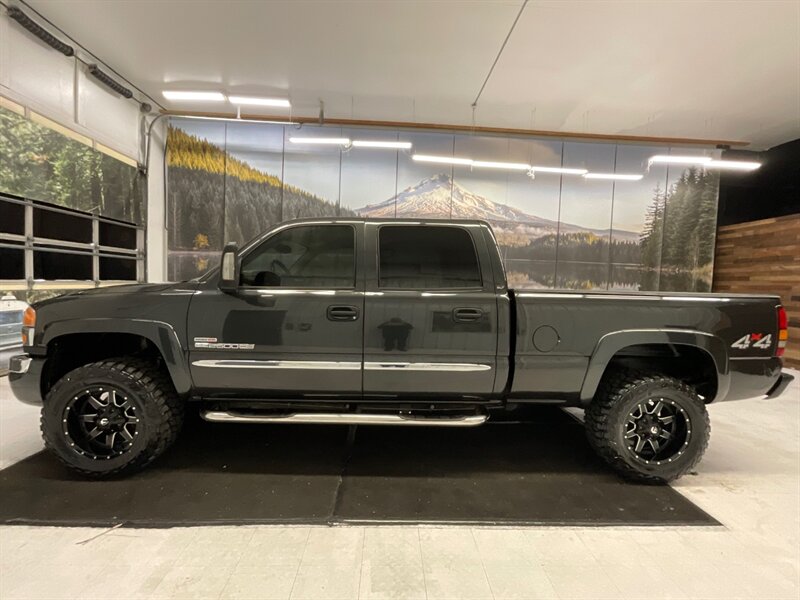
28	326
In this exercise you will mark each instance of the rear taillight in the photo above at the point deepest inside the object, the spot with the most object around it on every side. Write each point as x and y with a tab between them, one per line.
783	331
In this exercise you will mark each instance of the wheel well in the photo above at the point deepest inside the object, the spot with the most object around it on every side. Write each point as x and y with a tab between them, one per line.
68	352
692	365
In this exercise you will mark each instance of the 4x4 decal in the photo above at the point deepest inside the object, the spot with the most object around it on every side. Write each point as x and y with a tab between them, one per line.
753	340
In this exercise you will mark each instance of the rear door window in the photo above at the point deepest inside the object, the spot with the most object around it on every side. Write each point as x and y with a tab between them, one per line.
427	257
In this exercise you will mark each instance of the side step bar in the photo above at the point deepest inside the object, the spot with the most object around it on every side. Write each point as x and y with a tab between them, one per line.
217	416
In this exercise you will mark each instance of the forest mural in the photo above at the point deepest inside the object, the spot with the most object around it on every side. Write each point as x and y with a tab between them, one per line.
232	181
42	164
680	229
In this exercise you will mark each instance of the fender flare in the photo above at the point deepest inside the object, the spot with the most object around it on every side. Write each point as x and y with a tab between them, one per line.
162	335
612	343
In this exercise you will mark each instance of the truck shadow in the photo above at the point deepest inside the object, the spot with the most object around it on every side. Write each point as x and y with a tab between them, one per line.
543	439
539	470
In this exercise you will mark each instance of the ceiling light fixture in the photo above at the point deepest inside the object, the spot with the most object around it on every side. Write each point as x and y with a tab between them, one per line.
254	101
181	95
233	119
448	160
501	165
324	140
564	170
679	160
380	144
614	176
736	165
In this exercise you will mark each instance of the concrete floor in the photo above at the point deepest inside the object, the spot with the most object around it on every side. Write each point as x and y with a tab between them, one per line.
19	428
749	480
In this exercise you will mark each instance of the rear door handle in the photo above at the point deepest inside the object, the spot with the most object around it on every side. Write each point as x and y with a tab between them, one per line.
467	315
342	313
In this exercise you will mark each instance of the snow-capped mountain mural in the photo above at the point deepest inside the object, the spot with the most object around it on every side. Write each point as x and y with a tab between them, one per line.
439	197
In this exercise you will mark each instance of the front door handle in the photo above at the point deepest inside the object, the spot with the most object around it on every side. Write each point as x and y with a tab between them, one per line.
467	315
340	312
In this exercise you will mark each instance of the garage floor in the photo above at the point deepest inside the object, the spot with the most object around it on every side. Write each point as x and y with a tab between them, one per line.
749	481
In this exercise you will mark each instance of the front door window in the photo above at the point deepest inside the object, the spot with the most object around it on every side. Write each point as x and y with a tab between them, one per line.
307	256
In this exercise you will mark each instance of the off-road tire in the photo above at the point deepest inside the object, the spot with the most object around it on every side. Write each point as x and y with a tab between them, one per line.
149	389
605	419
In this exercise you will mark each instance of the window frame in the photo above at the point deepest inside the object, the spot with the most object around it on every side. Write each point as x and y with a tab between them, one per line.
285	228
32	246
479	287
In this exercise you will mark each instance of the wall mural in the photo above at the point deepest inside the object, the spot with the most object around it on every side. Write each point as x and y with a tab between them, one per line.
231	181
40	163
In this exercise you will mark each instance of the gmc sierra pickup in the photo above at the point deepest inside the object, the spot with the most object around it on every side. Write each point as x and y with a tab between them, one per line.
395	322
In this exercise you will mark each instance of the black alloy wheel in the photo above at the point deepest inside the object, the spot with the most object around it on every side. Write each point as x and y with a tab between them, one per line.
657	430
100	423
650	428
111	417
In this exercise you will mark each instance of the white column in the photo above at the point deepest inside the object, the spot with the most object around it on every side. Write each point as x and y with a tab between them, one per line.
156	239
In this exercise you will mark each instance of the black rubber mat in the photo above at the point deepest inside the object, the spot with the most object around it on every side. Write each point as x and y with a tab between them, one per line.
536	472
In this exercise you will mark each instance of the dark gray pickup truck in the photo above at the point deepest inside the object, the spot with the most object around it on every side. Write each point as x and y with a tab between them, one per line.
400	322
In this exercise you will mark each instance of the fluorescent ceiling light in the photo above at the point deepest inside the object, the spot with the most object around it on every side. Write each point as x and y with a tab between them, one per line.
253	101
379	144
679	160
501	165
448	160
323	140
618	176
236	119
738	165
208	96
564	170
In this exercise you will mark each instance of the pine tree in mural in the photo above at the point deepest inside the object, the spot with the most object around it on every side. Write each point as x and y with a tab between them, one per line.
707	221
653	231
679	232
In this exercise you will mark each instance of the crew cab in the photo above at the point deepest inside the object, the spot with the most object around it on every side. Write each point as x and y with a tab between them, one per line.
395	322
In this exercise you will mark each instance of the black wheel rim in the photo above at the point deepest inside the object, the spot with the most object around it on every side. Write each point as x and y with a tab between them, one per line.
657	431
100	423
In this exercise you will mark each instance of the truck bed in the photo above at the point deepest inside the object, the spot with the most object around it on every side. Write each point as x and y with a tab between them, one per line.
560	335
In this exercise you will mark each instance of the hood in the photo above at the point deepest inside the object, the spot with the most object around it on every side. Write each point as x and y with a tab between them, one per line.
116	290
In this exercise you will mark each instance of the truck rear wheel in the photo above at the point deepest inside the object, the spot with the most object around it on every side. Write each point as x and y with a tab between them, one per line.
111	417
649	428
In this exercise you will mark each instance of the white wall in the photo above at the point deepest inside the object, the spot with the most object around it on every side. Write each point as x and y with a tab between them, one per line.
41	78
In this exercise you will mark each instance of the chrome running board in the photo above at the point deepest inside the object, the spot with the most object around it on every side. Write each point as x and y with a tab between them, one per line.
217	416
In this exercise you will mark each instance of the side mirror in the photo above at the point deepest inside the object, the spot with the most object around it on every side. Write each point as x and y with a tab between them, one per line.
229	269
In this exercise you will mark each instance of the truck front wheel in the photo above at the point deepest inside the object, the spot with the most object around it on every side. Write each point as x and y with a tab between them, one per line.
111	417
649	428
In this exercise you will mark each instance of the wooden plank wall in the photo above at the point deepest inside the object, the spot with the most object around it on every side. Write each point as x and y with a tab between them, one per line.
763	257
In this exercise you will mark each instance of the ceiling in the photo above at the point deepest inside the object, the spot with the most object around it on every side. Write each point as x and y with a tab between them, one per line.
715	70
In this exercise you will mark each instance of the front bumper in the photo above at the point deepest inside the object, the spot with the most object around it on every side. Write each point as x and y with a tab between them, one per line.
25	374
780	386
